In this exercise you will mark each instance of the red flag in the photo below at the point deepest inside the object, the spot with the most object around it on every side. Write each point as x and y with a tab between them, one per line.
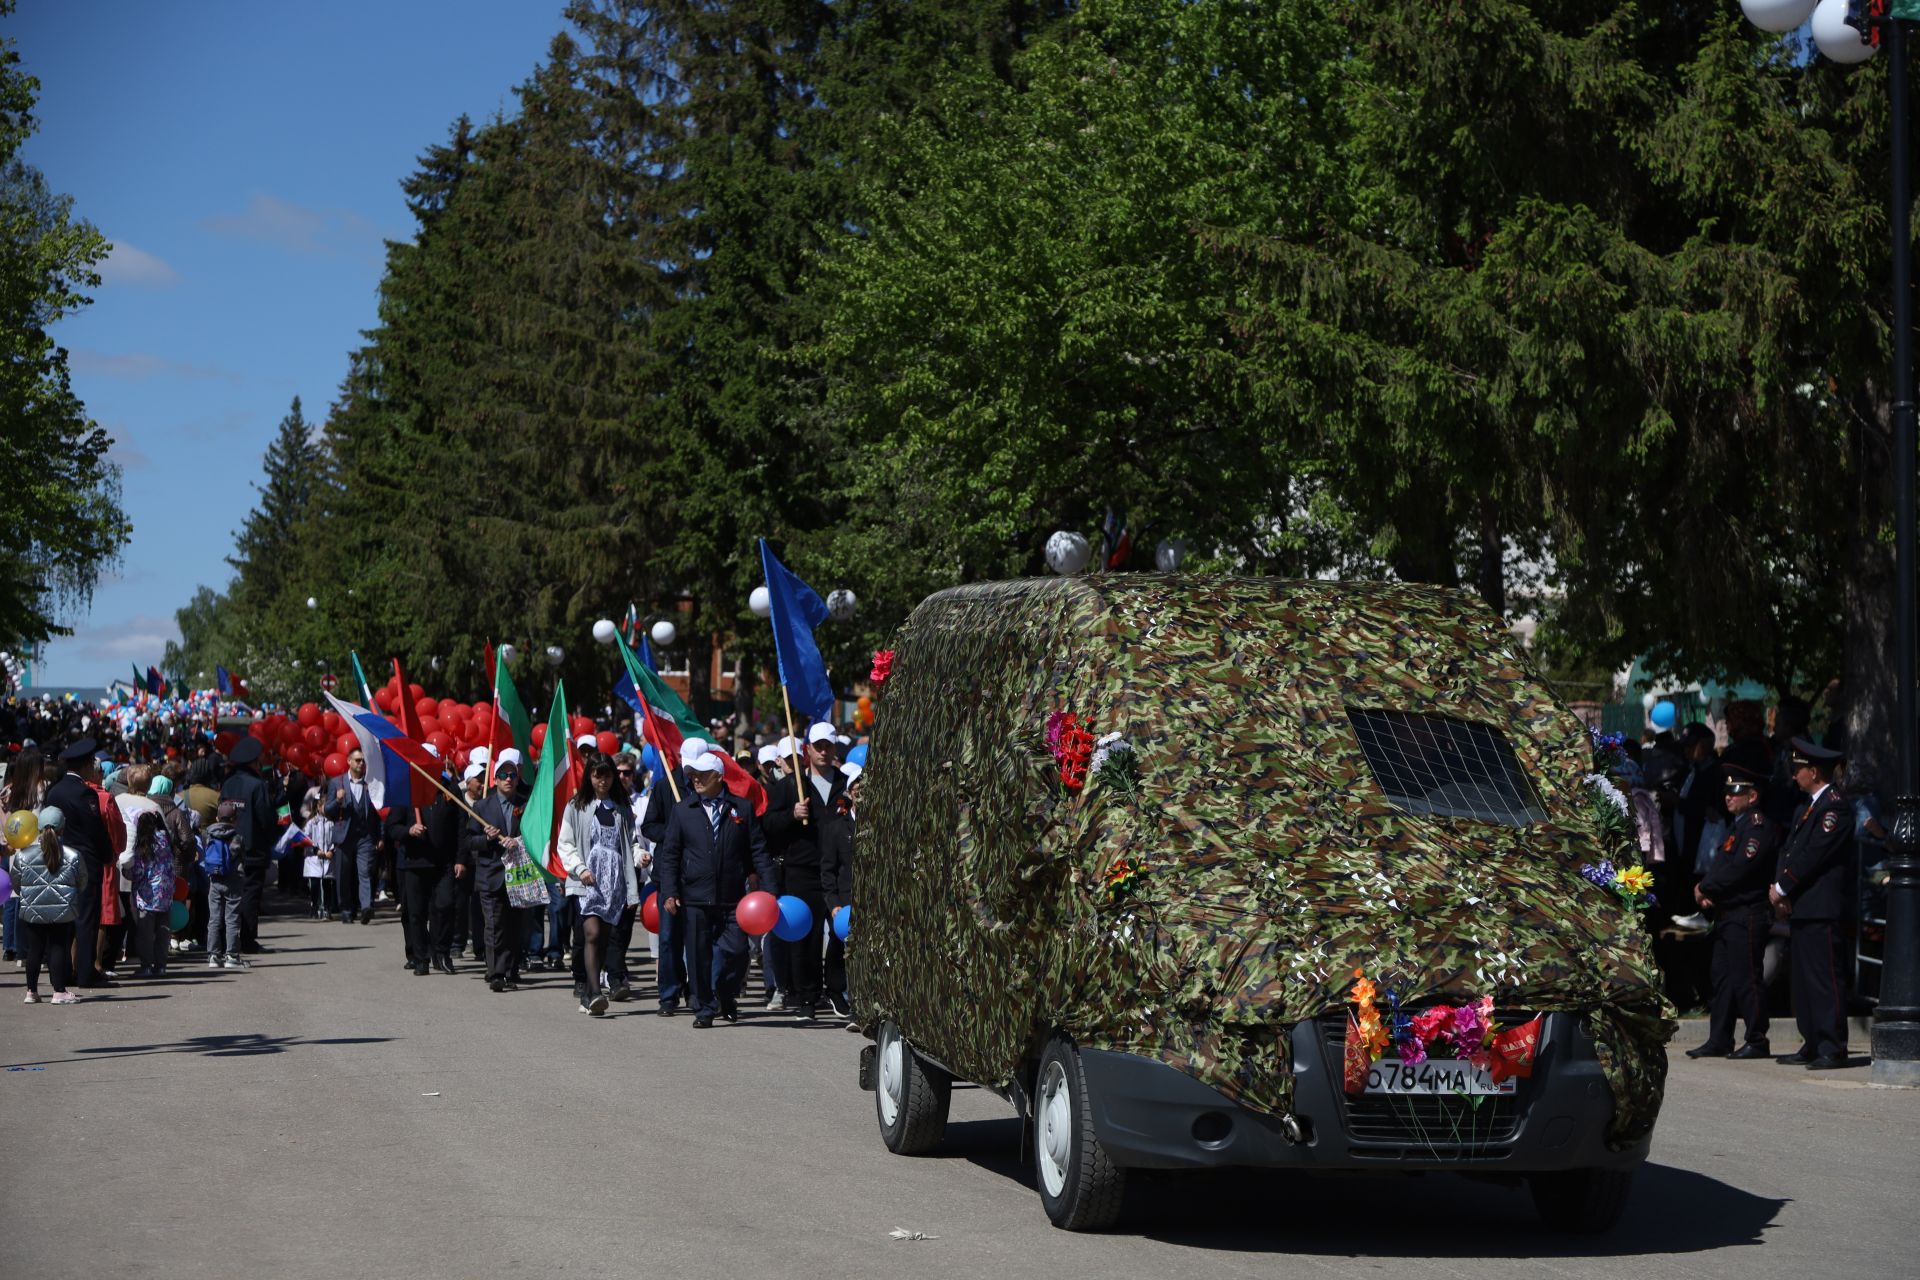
407	715
1512	1051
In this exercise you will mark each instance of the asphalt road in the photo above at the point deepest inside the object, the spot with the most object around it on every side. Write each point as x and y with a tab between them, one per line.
330	1115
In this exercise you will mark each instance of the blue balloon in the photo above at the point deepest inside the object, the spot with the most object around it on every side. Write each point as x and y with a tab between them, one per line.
650	758
796	917
842	920
1663	715
858	755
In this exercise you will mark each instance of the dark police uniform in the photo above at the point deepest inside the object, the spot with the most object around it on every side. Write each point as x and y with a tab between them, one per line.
1736	884
1815	875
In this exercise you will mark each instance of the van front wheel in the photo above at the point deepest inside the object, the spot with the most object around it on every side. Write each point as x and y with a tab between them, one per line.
910	1097
1582	1202
1079	1186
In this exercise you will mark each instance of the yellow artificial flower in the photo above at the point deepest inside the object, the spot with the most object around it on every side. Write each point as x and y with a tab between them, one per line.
1363	989
1634	879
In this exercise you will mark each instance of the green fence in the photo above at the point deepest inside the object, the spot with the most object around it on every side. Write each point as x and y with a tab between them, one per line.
1630	718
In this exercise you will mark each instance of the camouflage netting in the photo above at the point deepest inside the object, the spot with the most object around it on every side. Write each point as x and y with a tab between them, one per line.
1273	865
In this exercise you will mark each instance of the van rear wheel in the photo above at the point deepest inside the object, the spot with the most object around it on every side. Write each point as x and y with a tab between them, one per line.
910	1097
1080	1187
1582	1202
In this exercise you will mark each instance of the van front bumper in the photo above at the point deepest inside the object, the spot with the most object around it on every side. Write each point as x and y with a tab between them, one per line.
1149	1115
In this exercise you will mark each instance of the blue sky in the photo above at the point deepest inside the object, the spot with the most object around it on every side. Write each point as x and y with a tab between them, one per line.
245	160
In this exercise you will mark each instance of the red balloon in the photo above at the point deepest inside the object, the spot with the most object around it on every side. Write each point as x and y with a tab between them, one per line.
423	705
223	742
314	736
297	757
415	692
757	913
345	743
309	715
460	760
474	730
442	741
446	707
608	741
334	765
258	729
650	913
429	725
579	725
181	890
539	736
332	723
383	699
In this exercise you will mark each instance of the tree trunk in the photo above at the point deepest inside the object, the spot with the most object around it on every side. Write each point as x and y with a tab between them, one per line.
1491	575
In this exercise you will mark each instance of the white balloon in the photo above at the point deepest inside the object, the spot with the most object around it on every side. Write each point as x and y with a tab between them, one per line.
508	653
296	664
1170	554
761	602
1648	700
1835	38
1778	16
664	633
556	655
1067	552
841	604
605	632
312	603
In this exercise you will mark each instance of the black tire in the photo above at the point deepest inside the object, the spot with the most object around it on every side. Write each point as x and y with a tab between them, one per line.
1584	1202
917	1096
1080	1187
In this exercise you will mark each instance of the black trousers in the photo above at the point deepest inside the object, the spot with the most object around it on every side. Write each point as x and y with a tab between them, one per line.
505	932
46	944
1739	990
716	958
427	895
150	939
1819	987
465	913
253	886
836	959
799	963
86	930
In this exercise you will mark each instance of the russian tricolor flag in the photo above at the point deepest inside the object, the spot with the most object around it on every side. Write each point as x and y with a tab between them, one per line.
390	779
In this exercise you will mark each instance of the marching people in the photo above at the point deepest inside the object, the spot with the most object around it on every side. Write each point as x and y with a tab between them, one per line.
356	838
498	821
1734	890
802	813
836	883
596	849
85	831
54	885
711	844
426	842
467	923
670	967
1811	890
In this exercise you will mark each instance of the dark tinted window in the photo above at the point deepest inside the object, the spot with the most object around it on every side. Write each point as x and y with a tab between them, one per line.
1451	768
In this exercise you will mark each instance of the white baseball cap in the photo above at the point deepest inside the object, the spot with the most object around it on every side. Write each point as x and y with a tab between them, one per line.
587	740
710	762
509	755
852	771
820	732
474	771
783	748
479	755
768	754
692	749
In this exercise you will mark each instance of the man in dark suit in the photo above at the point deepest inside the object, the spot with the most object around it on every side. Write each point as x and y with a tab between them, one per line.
356	835
710	849
1735	891
86	831
1810	889
426	843
802	810
500	817
257	821
671	969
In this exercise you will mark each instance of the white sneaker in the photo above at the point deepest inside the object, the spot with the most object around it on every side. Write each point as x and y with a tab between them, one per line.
238	962
1695	923
213	962
33	997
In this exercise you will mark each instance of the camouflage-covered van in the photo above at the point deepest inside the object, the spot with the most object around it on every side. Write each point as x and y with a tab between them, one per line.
1157	967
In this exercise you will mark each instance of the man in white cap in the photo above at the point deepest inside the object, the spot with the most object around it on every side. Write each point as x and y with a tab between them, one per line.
710	849
802	812
500	820
670	969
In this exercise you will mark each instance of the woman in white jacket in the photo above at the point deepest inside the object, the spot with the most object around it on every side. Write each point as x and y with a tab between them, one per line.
596	849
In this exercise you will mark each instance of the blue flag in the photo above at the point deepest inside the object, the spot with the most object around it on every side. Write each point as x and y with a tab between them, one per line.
646	656
797	610
623	689
223	680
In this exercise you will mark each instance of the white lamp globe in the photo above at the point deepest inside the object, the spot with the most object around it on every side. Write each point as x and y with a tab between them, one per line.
841	604
1777	16
664	633
312	603
1834	38
1067	552
605	632
1169	555
761	602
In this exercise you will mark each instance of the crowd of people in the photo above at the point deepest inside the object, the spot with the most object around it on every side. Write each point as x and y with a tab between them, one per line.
160	850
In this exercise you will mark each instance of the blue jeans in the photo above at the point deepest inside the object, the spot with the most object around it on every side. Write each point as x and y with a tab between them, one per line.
716	957
10	925
672	967
560	915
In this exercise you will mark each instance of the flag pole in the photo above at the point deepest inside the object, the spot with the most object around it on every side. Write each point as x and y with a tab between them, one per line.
799	751
493	725
443	791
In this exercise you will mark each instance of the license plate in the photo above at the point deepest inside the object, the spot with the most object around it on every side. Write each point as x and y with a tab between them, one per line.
1435	1075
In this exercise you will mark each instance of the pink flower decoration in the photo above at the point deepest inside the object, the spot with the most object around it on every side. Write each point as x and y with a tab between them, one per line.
1055	723
882	667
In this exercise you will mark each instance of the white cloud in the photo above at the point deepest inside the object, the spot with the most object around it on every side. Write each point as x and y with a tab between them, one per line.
297	228
124	451
126	265
138	366
140	638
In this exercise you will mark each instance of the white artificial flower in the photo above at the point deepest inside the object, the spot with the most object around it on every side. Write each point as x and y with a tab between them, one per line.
1601	783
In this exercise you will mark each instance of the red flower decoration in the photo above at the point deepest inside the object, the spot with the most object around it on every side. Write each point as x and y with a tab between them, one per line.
882	667
1076	751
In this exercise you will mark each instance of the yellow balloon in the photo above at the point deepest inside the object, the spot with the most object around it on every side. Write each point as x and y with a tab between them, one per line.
23	828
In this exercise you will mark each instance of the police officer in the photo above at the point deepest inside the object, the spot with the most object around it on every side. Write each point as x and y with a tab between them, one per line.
1810	890
1735	890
